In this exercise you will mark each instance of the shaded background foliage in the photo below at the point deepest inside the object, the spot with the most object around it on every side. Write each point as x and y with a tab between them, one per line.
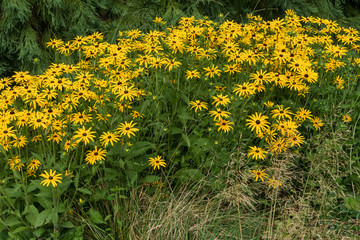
26	25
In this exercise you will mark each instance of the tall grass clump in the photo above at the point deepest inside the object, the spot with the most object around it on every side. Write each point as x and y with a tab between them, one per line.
201	130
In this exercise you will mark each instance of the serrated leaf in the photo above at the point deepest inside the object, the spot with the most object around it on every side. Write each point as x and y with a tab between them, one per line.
85	191
95	216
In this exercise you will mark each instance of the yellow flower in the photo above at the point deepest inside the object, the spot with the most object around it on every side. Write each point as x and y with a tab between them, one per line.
33	164
274	183
258	123
257	153
220	99
212	71
95	155
108	137
50	177
224	125
346	118
198	105
127	129
157	162
259	174
83	135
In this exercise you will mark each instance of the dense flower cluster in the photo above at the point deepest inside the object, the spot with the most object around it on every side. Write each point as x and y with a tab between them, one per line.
95	103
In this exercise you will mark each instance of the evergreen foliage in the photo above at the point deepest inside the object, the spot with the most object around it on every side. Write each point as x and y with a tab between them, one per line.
25	25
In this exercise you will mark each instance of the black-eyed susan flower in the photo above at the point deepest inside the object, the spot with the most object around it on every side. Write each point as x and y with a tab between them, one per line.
258	122
219	114
346	118
259	174
281	113
109	138
127	129
220	99
257	153
34	164
84	135
198	105
278	146
95	155
224	125
192	74
295	140
303	114
246	89
317	123
212	71
157	162
51	177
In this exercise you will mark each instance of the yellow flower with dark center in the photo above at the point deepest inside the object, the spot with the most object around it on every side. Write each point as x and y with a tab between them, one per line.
192	74
157	162
257	153
259	174
33	165
54	43
224	125
258	123
95	155
220	99
6	133
170	64
198	105
281	113
278	146
219	114
108	138
346	118
84	135
126	93
127	129
212	71
50	177
295	139
303	114
317	123
19	142
246	89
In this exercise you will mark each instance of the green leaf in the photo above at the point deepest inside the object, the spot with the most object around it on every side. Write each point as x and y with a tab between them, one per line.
43	218
67	224
140	148
186	139
110	174
76	180
19	230
31	214
95	216
150	179
85	191
175	130
12	221
189	174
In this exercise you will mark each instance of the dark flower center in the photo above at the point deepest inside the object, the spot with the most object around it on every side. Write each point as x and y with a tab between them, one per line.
257	121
